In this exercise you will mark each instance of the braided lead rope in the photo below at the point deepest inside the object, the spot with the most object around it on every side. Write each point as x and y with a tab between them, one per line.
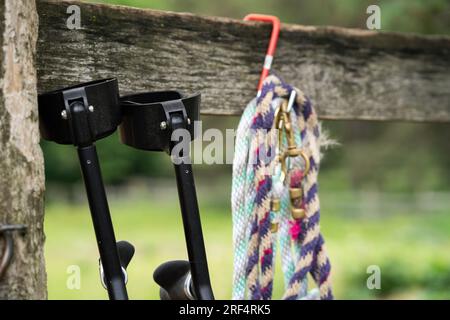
295	226
239	205
288	255
251	191
313	258
260	252
262	244
243	195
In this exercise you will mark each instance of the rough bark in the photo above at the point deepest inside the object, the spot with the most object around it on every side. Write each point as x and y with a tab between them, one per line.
348	73
21	161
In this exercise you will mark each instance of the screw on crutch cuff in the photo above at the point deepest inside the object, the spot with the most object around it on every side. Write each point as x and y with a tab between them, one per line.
147	118
80	114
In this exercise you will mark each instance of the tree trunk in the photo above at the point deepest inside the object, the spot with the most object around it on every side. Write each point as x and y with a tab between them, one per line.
21	161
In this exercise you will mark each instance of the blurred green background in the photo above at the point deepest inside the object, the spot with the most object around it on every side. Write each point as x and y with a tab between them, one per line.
385	190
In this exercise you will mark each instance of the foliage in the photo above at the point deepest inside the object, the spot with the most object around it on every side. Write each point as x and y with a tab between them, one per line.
420	16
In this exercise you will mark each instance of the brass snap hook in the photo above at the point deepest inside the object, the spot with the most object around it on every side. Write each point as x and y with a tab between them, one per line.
296	153
292	153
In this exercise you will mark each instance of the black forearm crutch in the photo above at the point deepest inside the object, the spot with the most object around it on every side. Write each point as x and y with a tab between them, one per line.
80	115
149	120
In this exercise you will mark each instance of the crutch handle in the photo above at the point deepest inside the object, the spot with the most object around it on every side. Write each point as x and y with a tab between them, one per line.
174	279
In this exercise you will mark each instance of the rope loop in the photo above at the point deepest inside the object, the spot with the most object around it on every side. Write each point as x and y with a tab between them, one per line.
275	203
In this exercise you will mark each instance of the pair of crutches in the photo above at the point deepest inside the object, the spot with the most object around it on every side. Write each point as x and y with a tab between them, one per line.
87	112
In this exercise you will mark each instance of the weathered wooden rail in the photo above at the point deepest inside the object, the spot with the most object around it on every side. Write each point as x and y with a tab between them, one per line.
349	74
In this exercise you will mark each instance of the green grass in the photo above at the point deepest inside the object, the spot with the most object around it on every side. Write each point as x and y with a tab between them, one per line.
407	238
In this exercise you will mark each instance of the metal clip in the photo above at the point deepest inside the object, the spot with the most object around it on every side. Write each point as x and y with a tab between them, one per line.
283	123
6	233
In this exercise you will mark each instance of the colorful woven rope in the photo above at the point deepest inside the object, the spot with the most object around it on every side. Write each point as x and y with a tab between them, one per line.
256	179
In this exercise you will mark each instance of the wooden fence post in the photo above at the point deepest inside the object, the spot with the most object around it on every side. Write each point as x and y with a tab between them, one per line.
21	161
